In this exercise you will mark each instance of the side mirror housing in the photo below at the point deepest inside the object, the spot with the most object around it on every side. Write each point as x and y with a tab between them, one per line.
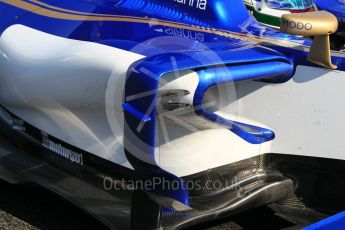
320	25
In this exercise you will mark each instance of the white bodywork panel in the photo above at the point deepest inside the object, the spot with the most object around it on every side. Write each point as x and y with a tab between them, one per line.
190	144
73	90
70	89
273	12
307	113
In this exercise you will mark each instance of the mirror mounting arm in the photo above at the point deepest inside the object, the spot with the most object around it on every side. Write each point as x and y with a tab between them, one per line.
320	25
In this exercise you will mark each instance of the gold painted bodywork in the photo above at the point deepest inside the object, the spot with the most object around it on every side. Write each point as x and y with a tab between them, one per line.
319	24
314	23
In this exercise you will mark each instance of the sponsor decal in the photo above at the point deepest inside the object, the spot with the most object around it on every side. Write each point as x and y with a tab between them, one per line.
297	25
60	150
199	4
179	32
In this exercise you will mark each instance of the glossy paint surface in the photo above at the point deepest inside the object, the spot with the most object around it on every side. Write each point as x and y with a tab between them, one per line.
145	29
336	7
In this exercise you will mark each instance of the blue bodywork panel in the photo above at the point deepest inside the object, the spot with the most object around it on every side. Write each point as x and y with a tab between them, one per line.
336	222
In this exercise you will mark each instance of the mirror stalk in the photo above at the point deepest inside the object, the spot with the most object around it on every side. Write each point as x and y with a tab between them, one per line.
320	52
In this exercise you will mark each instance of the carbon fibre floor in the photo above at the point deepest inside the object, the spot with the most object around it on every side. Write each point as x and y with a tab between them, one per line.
27	207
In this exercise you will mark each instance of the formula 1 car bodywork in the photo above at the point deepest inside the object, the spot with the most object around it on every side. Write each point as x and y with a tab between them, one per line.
214	114
269	12
337	8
